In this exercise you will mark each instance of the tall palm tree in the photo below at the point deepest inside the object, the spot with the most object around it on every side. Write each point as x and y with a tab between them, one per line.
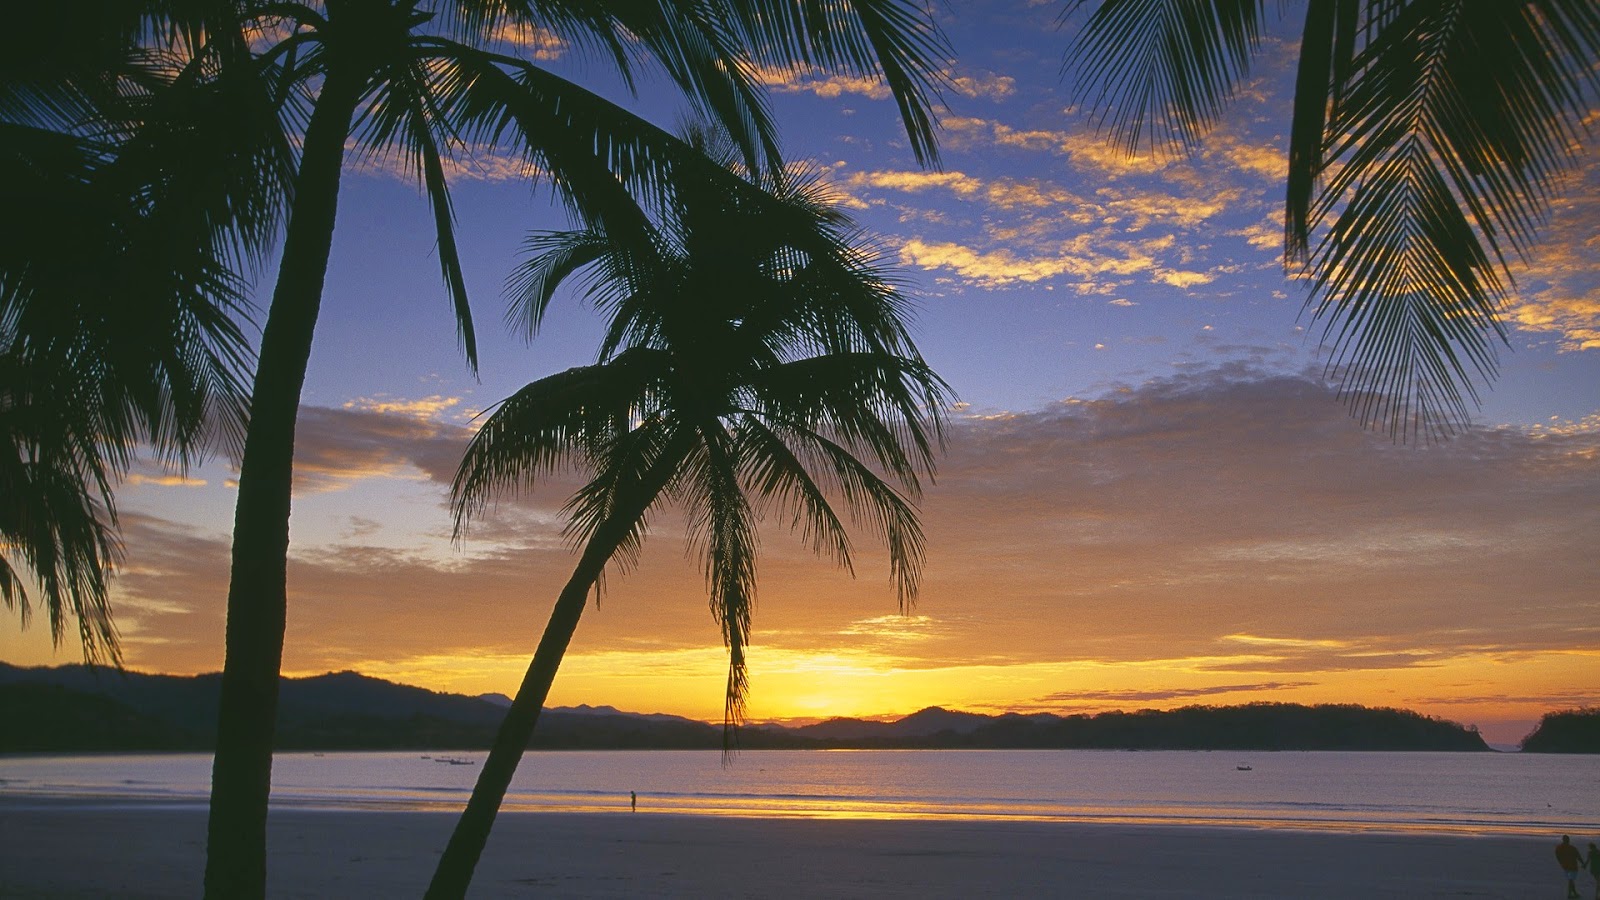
755	362
1427	139
140	187
414	81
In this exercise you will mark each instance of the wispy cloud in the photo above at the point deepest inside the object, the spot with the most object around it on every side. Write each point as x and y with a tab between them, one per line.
164	480
537	43
788	81
1162	695
986	85
424	408
1560	291
374	439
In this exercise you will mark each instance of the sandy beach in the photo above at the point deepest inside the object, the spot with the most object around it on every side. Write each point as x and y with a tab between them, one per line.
72	849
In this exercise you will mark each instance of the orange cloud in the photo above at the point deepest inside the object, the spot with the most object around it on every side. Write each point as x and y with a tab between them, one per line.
426	408
986	85
790	81
913	181
1559	288
537	43
1000	267
164	480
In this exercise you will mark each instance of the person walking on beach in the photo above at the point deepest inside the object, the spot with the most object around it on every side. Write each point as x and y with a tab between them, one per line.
1571	861
633	803
1592	863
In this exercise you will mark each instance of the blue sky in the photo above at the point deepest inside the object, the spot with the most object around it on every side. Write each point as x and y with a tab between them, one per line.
1048	263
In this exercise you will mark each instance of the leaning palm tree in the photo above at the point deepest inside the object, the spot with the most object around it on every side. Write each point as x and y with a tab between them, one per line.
139	186
755	362
421	82
1427	139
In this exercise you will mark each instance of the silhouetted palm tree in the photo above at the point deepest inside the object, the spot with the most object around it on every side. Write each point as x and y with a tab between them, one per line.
755	362
138	192
1427	139
413	82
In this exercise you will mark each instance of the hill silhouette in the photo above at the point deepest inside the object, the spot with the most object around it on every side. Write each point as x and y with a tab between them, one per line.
74	708
1568	731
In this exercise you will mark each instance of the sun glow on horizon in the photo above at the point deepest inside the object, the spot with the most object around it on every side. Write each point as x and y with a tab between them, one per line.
799	687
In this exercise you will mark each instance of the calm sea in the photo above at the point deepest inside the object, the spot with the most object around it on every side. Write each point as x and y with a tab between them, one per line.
1440	792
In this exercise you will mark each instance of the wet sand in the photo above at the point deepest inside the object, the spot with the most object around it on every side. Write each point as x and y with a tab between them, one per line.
75	849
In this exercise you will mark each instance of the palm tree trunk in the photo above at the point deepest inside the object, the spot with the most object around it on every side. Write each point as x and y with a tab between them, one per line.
241	775
461	855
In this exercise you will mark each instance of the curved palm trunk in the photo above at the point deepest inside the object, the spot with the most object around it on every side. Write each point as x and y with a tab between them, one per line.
461	855
241	775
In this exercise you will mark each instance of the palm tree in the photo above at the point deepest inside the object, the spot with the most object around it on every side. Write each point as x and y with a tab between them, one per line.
1427	139
416	81
752	360
138	190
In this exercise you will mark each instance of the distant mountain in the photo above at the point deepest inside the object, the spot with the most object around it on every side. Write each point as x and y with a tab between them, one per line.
1257	726
101	709
1571	731
41	718
73	708
920	724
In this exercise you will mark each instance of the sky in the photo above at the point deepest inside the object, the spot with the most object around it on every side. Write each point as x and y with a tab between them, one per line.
1151	496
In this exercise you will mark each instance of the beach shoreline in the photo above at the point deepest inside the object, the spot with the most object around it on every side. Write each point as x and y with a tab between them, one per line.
82	848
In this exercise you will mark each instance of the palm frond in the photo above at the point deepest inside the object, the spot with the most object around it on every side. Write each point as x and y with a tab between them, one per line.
1160	71
1327	51
886	406
895	40
57	520
634	468
722	528
607	164
542	427
553	257
409	116
709	64
781	482
1443	165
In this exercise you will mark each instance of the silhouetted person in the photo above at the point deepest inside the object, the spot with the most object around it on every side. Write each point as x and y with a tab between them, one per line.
633	803
1571	861
1592	863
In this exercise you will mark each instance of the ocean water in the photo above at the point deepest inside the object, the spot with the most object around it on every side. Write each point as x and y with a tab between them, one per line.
1431	792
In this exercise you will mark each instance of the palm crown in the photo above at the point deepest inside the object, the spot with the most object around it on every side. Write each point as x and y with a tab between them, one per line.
745	370
143	184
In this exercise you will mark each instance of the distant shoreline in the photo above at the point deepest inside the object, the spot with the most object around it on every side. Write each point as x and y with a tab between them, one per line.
70	709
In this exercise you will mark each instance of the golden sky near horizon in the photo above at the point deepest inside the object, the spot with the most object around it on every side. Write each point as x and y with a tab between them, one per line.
1151	496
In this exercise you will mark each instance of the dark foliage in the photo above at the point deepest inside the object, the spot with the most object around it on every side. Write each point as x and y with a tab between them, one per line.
41	718
1568	731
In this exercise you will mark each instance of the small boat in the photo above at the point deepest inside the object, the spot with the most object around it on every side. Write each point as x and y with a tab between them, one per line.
1242	768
